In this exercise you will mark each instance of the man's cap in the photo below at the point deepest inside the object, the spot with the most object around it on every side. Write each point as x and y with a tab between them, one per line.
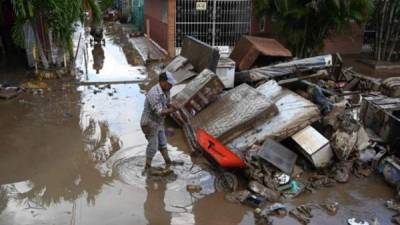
170	78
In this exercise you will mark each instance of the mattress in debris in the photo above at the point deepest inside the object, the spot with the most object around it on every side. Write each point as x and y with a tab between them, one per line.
234	112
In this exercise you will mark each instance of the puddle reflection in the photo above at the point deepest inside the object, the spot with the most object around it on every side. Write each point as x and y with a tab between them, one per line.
98	57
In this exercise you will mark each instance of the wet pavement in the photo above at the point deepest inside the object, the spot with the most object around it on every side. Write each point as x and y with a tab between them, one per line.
75	154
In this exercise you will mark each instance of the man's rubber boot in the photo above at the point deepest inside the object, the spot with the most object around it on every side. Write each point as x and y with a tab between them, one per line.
168	161
164	153
147	166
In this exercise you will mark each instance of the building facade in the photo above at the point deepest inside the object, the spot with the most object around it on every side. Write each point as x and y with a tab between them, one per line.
222	23
216	22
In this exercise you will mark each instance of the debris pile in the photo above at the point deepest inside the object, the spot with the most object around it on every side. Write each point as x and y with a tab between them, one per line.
290	125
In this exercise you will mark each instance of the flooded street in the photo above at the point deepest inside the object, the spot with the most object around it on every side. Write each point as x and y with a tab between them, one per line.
75	155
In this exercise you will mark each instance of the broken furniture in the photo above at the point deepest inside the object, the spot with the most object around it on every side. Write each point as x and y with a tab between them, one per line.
251	50
234	112
295	113
381	114
314	146
188	65
196	95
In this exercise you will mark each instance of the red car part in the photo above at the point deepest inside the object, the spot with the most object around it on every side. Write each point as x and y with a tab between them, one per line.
221	154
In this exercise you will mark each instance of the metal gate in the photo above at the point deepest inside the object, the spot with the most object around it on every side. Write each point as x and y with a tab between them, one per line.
216	22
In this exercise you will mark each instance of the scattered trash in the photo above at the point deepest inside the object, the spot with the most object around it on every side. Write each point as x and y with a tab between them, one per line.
393	205
294	189
237	196
331	207
254	200
343	143
249	48
226	182
276	209
267	193
314	146
262	218
390	168
278	155
8	92
320	99
302	213
34	85
191	188
396	219
282	178
354	221
259	126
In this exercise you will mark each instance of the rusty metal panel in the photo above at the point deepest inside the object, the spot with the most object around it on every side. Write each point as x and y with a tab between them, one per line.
249	48
234	113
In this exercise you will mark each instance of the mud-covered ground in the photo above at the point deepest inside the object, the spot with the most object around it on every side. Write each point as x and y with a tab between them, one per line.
74	155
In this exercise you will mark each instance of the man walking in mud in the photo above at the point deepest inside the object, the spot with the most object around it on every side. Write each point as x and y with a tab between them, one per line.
156	106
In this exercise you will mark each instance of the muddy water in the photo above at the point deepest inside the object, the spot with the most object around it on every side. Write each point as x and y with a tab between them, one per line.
75	156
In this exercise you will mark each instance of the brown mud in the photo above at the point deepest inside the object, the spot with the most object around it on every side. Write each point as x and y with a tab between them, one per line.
75	154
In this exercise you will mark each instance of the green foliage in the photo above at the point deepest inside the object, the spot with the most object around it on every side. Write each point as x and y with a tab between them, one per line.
386	22
95	11
304	24
18	33
105	4
58	16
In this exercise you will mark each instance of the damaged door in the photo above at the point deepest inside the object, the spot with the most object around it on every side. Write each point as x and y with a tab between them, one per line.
215	22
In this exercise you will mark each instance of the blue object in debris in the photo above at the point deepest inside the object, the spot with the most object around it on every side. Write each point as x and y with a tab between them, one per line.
391	170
